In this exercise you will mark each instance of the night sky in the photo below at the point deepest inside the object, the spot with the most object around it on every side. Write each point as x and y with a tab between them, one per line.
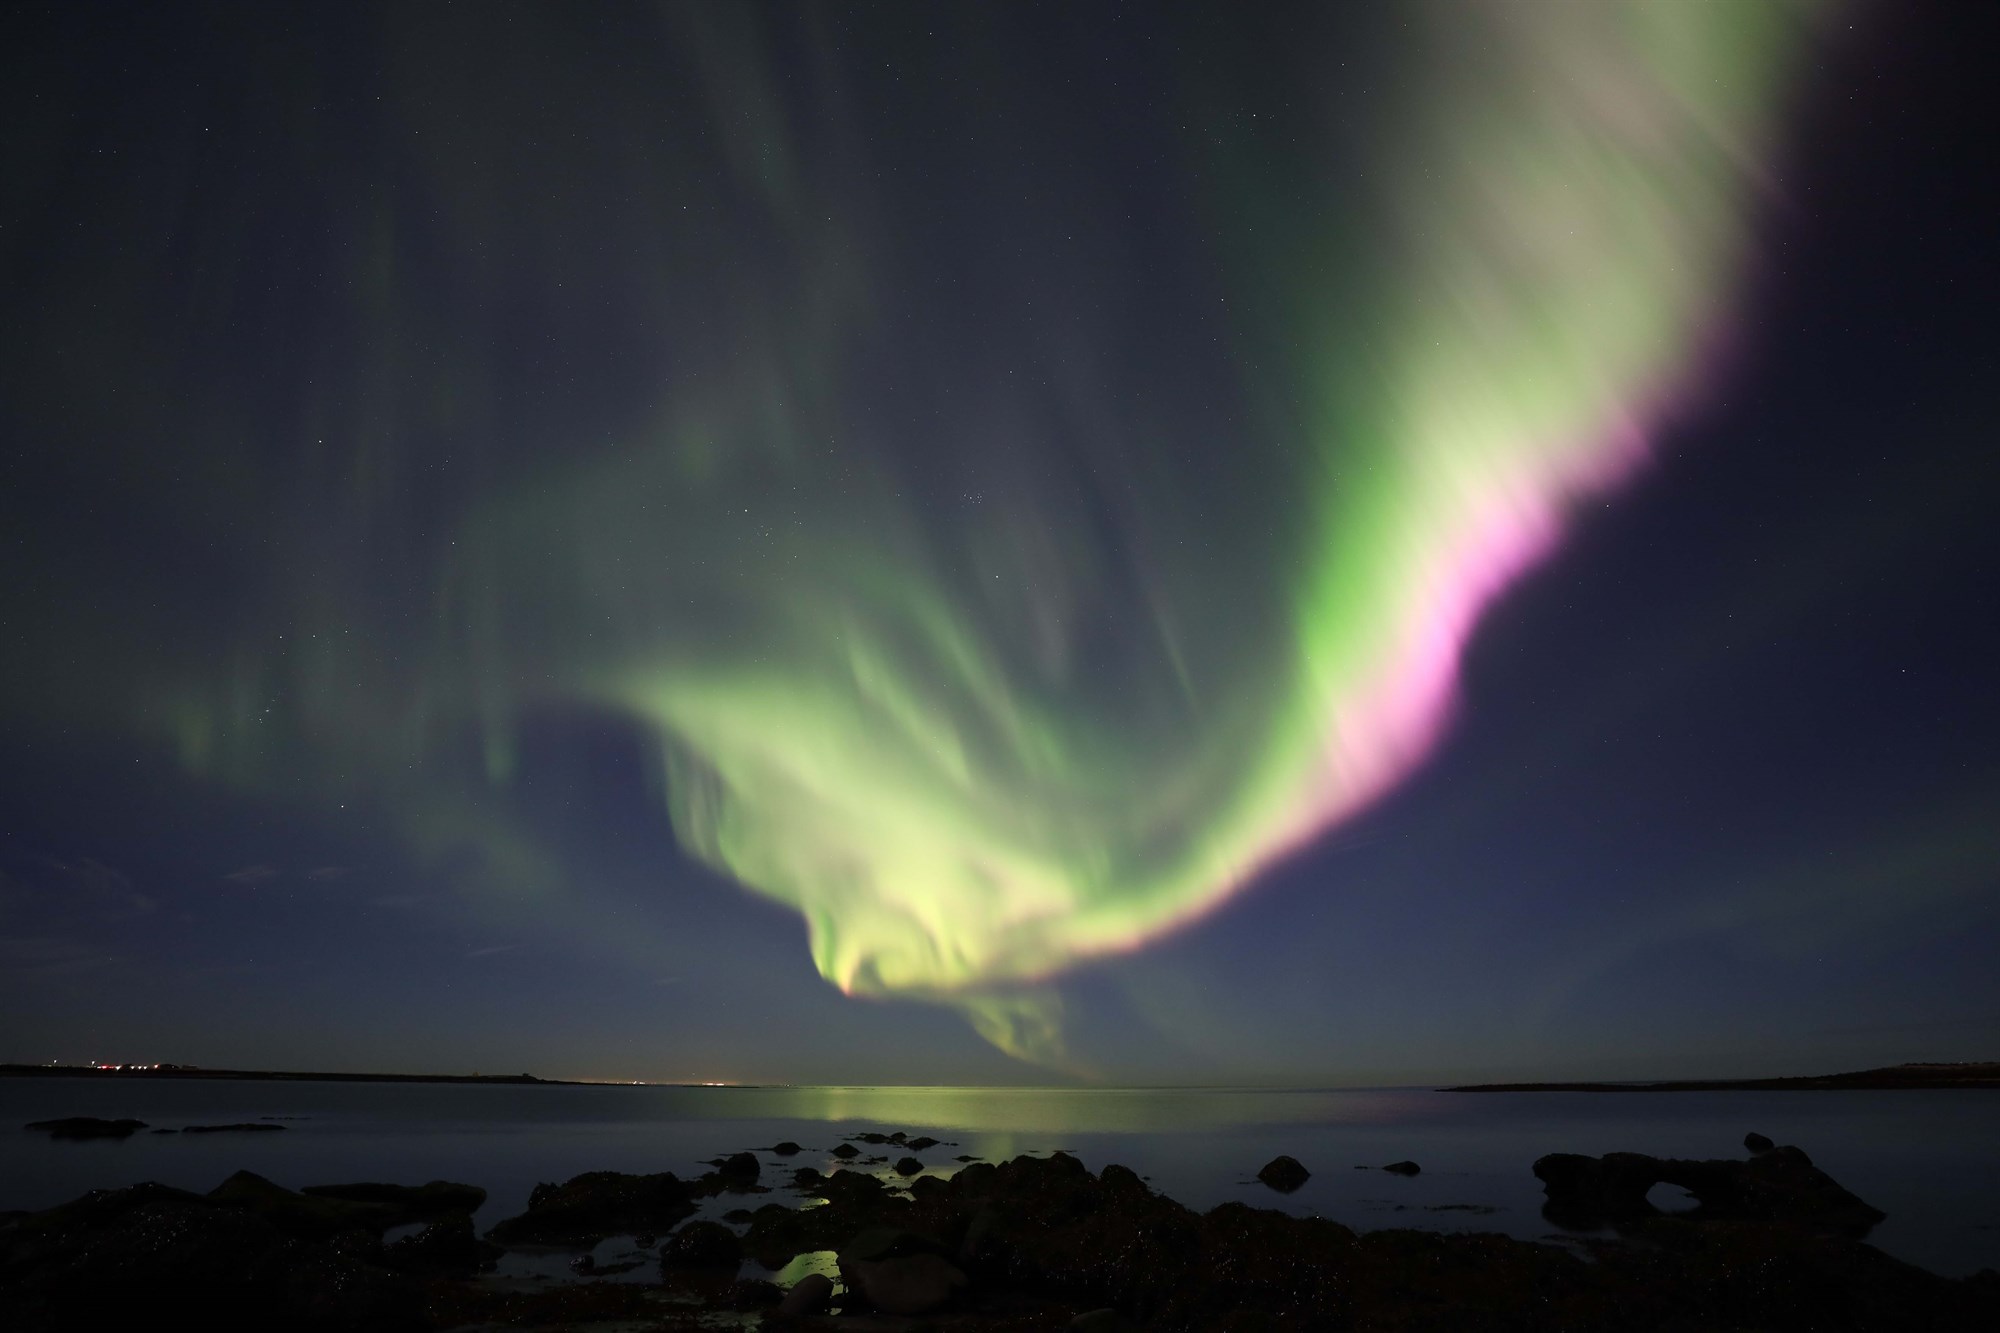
1324	544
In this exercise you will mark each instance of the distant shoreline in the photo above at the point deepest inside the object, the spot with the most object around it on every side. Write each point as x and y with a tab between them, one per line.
1984	1074
282	1076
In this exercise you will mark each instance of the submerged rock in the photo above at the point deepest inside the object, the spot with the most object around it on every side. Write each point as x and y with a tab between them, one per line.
786	1149
87	1127
246	1127
1403	1168
1283	1174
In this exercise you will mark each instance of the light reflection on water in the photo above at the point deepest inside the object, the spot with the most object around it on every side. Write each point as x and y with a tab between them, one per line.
1930	1159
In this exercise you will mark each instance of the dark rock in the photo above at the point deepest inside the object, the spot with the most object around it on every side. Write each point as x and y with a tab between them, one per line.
1403	1168
166	1131
413	1202
248	1127
154	1257
738	1215
1284	1174
1777	1185
898	1138
1048	1231
1756	1142
702	1245
888	1242
1102	1321
447	1245
298	1214
597	1204
754	1294
739	1167
965	1157
921	1142
88	1127
809	1296
785	1149
910	1285
1123	1179
847	1151
871	1136
909	1166
806	1177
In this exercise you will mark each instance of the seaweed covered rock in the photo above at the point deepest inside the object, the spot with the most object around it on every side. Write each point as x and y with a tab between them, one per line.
596	1204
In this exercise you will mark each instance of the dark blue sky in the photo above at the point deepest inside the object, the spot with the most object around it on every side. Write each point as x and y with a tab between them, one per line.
1722	792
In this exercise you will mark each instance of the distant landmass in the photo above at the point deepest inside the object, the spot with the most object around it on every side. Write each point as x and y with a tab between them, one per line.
269	1075
1974	1074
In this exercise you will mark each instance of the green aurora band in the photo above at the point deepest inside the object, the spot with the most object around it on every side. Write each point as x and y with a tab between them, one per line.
976	732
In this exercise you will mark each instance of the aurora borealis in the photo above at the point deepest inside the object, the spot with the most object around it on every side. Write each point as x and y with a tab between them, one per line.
999	482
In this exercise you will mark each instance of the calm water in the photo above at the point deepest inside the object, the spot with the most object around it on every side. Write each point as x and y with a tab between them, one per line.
1931	1160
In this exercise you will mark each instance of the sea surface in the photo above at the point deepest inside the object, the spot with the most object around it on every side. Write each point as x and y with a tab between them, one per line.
1930	1159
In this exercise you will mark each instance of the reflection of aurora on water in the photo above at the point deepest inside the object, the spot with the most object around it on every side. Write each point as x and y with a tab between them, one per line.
978	730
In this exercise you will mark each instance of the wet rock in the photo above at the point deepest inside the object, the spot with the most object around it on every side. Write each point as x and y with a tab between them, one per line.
1779	1184
806	1177
809	1296
1102	1321
87	1127
1284	1174
871	1136
1403	1168
909	1166
921	1142
702	1245
847	1151
786	1149
911	1285
738	1215
739	1167
247	1127
596	1204
1756	1142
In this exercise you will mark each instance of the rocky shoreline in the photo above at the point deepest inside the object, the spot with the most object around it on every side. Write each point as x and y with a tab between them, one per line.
1035	1243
